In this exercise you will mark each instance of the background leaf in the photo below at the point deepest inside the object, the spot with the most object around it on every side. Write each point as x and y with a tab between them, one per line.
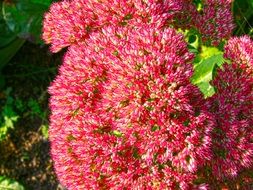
7	52
204	72
25	17
9	184
6	35
243	15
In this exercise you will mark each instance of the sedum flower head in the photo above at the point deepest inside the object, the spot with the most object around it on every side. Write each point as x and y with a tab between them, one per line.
233	134
233	105
240	50
215	23
125	115
186	17
70	22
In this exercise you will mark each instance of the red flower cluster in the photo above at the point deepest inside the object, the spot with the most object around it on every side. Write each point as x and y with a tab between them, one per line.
124	112
215	23
125	115
186	17
240	51
233	108
69	22
233	134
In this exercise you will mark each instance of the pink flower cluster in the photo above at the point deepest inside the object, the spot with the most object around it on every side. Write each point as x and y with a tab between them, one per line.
124	114
216	21
186	17
69	22
233	108
232	136
240	50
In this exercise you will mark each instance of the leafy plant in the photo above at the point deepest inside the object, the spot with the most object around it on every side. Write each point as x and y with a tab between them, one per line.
205	67
34	108
243	14
8	116
9	184
44	130
24	18
19	21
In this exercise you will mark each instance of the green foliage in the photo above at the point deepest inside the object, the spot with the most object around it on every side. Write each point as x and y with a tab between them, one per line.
205	67
8	116
9	184
30	108
243	15
8	51
44	131
24	18
15	108
6	35
207	59
34	108
19	20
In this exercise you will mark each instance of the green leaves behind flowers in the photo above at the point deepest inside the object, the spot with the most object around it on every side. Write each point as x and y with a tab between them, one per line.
6	35
10	184
205	67
8	116
8	51
24	17
9	43
243	14
19	20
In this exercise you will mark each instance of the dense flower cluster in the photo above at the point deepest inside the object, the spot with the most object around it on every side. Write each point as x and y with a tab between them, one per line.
233	134
125	115
240	51
233	107
124	112
215	23
186	17
69	22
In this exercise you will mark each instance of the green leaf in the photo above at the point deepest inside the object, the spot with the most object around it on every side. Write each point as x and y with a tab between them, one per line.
9	121
117	133
44	130
192	49
9	184
204	72
207	52
6	35
207	89
250	2
34	106
8	115
25	17
242	10
7	52
194	41
192	38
